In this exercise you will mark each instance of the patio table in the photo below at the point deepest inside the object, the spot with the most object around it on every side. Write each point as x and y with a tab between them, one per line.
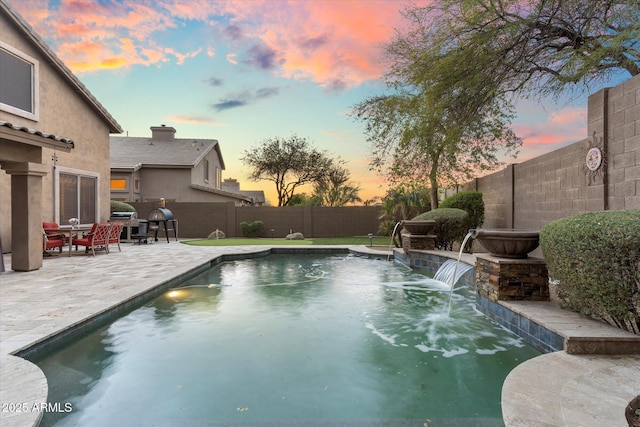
70	232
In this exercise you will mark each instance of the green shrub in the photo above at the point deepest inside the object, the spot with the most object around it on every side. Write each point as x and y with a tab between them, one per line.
117	206
252	229
451	225
386	227
470	202
595	257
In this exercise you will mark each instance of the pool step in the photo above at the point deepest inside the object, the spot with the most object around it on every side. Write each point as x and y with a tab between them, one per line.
579	334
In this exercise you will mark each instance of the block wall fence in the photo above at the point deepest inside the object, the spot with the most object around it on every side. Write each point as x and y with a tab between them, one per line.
198	220
530	194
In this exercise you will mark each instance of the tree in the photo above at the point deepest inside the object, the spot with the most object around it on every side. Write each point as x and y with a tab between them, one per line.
334	189
288	162
421	138
405	202
539	47
300	199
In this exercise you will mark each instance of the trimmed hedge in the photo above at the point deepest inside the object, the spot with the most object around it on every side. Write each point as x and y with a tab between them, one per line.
469	201
117	206
595	257
451	225
472	203
252	229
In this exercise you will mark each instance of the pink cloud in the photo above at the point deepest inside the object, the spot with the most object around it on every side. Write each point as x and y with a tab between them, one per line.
180	56
231	58
334	44
34	11
560	127
89	35
193	119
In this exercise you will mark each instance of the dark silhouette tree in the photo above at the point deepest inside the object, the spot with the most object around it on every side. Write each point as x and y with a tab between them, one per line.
287	162
334	189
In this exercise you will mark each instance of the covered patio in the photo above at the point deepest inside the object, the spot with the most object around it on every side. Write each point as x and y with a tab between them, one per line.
21	158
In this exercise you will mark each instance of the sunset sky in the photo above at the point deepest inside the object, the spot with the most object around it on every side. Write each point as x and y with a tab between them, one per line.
242	71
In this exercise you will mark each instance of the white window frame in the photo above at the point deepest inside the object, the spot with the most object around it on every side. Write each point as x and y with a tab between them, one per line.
207	171
218	175
35	85
79	173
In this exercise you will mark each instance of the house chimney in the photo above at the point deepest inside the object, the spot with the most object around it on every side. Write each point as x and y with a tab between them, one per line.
231	185
163	133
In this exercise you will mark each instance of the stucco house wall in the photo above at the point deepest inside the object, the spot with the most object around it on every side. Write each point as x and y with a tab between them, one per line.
132	190
211	178
164	183
66	109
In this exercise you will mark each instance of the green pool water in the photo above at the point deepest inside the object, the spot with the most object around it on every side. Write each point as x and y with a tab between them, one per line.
290	340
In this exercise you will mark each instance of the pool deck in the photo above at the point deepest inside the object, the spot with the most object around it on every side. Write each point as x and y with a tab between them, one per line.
555	389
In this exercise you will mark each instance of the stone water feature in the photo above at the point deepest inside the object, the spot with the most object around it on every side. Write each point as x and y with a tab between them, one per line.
507	273
418	236
507	243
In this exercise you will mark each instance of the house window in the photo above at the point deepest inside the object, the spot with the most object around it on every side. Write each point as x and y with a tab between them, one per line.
118	184
18	83
77	197
206	170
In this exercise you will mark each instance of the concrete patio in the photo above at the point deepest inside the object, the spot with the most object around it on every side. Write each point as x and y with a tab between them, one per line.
556	389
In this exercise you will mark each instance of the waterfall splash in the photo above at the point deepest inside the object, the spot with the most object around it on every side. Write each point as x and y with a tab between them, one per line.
449	275
393	234
447	270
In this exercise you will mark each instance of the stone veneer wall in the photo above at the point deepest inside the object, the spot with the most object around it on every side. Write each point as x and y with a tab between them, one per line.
512	279
416	241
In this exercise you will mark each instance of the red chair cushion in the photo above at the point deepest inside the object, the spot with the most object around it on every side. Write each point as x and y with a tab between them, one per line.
52	235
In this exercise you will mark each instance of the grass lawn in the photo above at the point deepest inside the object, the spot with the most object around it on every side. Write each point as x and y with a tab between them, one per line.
241	241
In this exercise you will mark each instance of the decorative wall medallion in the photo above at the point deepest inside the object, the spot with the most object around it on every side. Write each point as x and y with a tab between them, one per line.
595	160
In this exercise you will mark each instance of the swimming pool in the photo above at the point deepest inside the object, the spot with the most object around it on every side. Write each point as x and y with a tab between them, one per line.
290	340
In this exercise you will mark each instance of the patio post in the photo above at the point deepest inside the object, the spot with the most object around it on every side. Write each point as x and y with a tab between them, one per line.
26	214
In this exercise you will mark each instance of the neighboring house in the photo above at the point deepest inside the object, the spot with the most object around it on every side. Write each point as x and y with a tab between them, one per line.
233	186
54	144
170	168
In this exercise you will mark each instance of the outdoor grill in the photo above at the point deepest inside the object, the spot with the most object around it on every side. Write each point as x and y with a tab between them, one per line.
130	220
162	219
123	216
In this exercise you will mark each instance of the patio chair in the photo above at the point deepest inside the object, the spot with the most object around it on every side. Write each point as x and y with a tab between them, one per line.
52	241
52	234
97	237
114	234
